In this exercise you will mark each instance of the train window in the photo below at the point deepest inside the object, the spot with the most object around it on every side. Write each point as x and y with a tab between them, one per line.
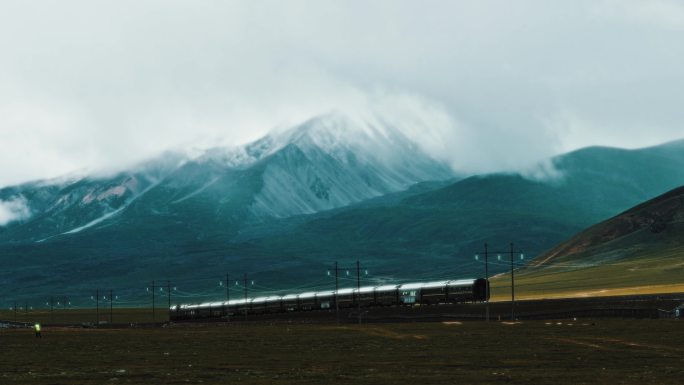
408	296
408	299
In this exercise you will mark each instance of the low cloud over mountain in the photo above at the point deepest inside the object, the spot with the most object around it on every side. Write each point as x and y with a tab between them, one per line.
13	209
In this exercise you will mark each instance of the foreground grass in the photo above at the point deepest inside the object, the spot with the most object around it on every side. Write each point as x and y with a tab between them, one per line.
603	351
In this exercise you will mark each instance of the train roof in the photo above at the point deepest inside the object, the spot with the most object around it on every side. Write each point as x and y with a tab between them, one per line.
366	289
265	299
435	284
309	294
322	294
387	287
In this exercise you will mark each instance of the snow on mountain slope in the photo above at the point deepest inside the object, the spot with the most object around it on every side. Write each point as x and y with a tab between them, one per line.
325	163
333	161
66	205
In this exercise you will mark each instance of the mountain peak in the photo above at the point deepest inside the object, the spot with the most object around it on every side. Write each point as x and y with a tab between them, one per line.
333	130
335	160
335	134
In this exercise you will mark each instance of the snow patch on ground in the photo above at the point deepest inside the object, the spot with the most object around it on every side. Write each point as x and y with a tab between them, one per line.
192	194
96	221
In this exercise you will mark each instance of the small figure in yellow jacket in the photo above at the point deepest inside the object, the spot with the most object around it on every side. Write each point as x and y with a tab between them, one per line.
37	328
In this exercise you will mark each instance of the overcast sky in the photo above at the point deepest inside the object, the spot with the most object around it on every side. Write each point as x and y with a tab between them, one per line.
86	85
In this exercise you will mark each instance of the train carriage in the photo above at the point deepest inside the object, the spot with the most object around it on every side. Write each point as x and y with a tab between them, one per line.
272	304
387	295
289	302
240	306
257	305
307	301
345	297
461	291
326	299
366	295
434	292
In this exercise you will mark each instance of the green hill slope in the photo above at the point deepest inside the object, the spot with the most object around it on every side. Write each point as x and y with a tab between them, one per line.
640	250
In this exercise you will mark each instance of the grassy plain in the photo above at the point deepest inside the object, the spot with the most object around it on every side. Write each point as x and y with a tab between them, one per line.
656	273
578	352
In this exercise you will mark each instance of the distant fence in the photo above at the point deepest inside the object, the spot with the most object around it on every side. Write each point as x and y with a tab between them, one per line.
433	313
14	325
601	312
85	317
646	307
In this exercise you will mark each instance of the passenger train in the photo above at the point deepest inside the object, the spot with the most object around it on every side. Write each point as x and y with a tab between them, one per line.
407	294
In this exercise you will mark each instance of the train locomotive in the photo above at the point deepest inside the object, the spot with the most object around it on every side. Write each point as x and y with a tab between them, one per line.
407	294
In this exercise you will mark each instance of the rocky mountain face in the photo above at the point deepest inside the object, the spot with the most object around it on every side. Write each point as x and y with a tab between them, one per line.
69	205
325	163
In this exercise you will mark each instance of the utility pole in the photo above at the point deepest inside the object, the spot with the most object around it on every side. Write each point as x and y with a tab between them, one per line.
153	301
25	311
168	292
510	251
486	261
245	305
356	296
228	295
15	311
512	286
111	307
337	288
522	257
52	305
358	289
486	254
97	306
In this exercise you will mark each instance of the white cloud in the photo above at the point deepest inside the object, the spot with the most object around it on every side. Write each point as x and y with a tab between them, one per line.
14	209
544	171
572	130
91	85
667	14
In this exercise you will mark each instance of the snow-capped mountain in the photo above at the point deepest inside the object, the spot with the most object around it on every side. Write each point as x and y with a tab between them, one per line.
325	163
333	162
